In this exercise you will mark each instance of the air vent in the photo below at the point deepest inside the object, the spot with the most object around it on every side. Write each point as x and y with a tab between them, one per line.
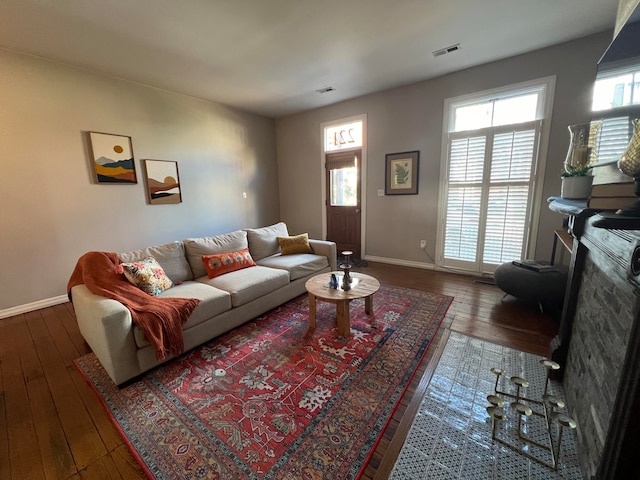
325	90
446	50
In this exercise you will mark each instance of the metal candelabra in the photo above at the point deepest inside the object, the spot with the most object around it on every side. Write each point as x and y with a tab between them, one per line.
548	407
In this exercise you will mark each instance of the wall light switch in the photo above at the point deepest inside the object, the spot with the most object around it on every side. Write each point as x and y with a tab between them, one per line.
244	194
381	193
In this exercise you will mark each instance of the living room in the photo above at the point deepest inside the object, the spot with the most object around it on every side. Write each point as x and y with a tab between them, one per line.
237	169
223	152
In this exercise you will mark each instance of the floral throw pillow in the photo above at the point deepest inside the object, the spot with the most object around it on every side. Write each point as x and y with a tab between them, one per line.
227	262
147	275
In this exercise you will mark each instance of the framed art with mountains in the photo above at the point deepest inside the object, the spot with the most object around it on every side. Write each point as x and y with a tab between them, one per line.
112	157
401	175
163	182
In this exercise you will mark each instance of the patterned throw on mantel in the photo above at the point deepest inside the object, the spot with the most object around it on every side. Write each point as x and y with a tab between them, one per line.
272	399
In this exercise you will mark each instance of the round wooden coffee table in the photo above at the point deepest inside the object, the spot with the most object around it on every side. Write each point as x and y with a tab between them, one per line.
362	286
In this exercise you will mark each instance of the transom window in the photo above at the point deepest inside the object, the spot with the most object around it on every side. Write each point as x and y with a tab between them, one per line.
617	88
496	112
343	137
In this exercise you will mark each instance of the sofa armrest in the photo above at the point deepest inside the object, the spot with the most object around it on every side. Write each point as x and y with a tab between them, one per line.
328	249
107	327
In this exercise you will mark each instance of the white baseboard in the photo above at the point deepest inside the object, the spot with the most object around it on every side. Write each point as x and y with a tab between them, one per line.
404	263
30	307
425	266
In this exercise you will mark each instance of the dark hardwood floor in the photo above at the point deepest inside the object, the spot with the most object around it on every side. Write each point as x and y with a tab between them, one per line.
52	426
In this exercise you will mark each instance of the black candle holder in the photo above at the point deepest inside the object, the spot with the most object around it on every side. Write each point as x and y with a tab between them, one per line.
346	267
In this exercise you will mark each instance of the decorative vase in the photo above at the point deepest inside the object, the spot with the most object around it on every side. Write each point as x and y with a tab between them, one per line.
629	163
579	150
577	187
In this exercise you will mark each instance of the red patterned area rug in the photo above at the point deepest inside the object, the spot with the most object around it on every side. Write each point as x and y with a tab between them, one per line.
272	399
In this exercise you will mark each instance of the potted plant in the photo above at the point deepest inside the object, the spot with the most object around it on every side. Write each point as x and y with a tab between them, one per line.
576	181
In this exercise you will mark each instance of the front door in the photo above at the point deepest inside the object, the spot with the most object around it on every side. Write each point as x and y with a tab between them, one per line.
343	199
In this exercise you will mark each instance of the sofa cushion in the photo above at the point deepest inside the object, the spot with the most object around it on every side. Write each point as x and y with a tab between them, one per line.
212	302
196	248
221	263
295	244
249	283
298	266
170	256
263	242
147	275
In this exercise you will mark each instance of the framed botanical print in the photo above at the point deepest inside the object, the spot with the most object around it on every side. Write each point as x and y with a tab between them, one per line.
112	157
401	175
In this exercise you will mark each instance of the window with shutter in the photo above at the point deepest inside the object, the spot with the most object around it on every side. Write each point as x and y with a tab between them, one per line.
616	102
616	87
488	184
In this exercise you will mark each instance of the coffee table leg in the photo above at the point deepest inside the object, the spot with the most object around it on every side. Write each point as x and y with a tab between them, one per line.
312	311
344	324
368	305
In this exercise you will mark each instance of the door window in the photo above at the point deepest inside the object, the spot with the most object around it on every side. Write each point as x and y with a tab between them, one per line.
344	187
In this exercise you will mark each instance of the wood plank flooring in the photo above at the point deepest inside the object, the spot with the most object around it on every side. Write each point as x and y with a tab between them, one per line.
52	426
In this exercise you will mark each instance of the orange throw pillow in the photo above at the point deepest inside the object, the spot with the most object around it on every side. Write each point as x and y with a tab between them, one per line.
295	244
227	262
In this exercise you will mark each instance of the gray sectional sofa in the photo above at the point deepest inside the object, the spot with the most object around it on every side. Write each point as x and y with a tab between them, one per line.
226	301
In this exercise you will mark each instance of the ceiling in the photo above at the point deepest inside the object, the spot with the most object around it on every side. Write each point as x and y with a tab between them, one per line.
270	56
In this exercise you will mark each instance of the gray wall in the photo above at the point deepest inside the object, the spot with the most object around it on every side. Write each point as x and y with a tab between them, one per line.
52	210
410	118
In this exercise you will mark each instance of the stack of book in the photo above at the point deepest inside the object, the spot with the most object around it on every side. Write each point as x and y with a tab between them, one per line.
611	196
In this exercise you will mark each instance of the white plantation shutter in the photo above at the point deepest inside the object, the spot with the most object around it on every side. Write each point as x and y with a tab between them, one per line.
461	230
612	138
488	195
507	206
506	227
466	164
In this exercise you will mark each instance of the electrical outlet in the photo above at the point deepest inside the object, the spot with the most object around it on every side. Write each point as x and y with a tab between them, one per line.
381	193
423	243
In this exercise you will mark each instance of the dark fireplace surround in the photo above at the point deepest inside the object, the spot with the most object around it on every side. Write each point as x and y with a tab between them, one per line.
599	348
598	343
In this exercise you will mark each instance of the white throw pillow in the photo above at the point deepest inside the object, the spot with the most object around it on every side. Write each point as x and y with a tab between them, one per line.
170	256
196	248
263	242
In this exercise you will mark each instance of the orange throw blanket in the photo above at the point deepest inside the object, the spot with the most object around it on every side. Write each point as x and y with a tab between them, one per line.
160	319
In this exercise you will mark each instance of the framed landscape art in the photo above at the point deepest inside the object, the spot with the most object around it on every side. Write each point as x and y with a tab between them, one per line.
163	182
112	157
401	176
